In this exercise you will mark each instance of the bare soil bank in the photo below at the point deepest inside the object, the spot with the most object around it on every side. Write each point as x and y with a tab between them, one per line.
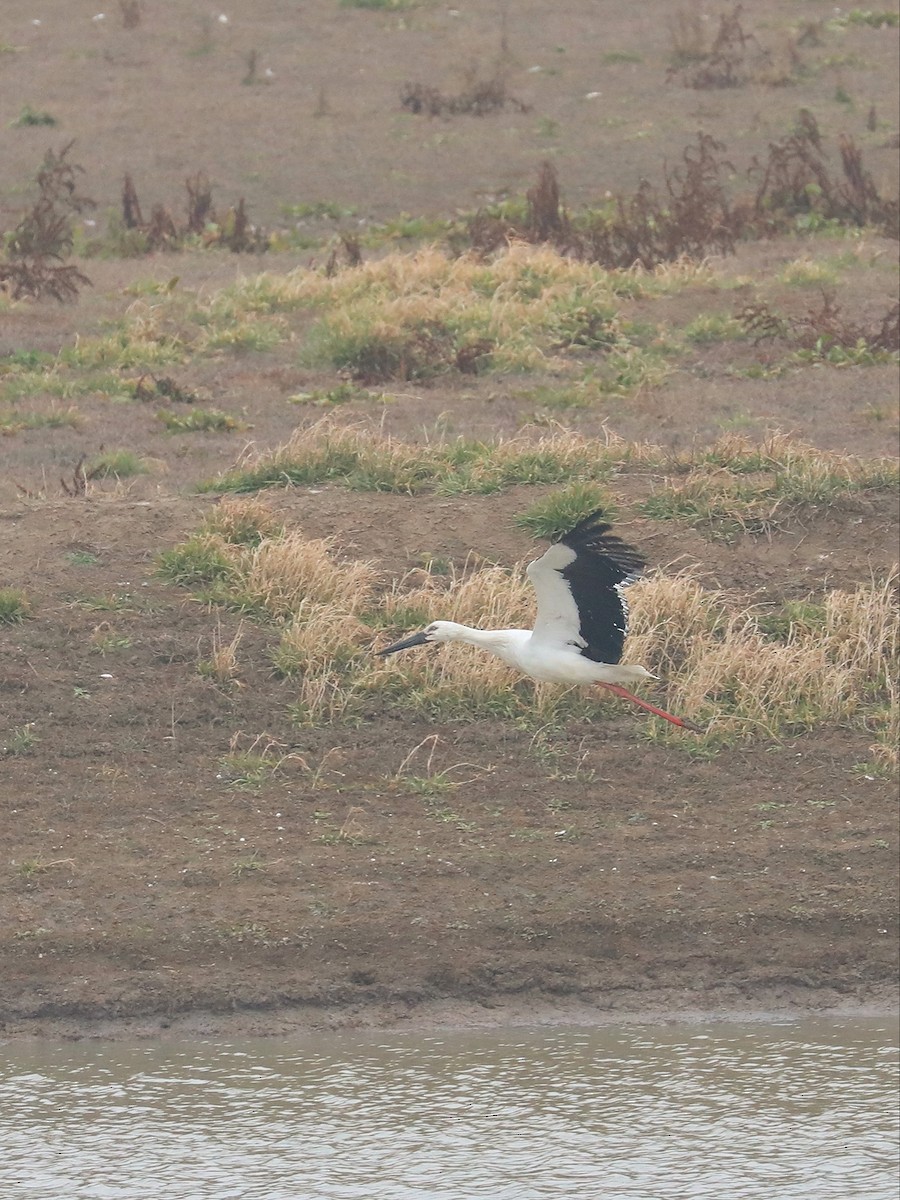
143	889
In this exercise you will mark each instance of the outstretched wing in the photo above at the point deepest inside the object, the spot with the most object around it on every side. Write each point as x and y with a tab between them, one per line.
579	583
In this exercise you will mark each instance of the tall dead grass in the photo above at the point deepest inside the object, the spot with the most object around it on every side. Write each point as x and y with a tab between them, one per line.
286	574
722	668
719	666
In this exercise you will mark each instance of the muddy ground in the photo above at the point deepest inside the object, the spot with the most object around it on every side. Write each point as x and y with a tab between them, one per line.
588	871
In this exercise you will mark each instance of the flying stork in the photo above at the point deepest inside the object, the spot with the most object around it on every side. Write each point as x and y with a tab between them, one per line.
582	617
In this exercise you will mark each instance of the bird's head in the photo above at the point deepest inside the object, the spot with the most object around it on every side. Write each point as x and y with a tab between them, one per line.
437	631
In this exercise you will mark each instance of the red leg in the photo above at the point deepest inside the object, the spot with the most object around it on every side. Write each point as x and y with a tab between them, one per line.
626	695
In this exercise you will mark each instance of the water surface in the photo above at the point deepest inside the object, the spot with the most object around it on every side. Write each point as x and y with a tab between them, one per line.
713	1112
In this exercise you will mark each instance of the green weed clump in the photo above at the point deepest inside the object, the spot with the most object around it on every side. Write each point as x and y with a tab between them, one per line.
204	559
13	420
33	116
558	513
119	464
199	420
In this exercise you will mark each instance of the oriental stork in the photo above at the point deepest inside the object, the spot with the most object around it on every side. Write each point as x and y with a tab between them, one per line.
582	617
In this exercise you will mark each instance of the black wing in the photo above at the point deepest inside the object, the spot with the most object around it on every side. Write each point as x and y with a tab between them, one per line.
604	564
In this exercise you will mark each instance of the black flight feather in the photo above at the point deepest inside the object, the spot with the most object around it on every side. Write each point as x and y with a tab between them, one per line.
604	564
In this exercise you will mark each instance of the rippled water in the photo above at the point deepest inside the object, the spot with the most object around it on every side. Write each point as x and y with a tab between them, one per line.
716	1112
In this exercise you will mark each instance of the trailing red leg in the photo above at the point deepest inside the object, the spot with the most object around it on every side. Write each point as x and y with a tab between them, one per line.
682	722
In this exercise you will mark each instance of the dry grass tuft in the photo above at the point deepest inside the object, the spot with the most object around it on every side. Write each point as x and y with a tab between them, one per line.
736	484
325	694
366	460
317	634
221	666
722	668
285	574
243	521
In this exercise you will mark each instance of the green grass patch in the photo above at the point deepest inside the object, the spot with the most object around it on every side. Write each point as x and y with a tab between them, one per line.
128	348
873	18
612	57
368	462
318	210
793	617
199	420
64	383
120	464
709	328
13	421
202	560
763	488
29	116
556	514
382	5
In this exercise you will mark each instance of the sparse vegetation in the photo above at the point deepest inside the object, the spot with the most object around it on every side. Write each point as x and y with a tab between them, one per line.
221	666
15	605
20	741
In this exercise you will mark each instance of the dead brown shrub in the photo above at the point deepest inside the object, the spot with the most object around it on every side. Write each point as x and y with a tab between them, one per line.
733	59
350	244
78	486
231	229
823	327
695	214
36	248
692	218
479	96
796	179
730	62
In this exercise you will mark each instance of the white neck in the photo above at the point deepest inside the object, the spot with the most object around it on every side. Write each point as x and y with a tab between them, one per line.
501	642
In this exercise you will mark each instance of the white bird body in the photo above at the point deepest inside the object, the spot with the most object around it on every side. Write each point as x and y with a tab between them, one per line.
582	617
539	657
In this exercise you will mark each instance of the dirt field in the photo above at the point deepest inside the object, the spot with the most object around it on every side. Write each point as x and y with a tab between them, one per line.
177	844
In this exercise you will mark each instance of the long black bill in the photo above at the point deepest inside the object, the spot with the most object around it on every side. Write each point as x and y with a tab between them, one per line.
417	639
